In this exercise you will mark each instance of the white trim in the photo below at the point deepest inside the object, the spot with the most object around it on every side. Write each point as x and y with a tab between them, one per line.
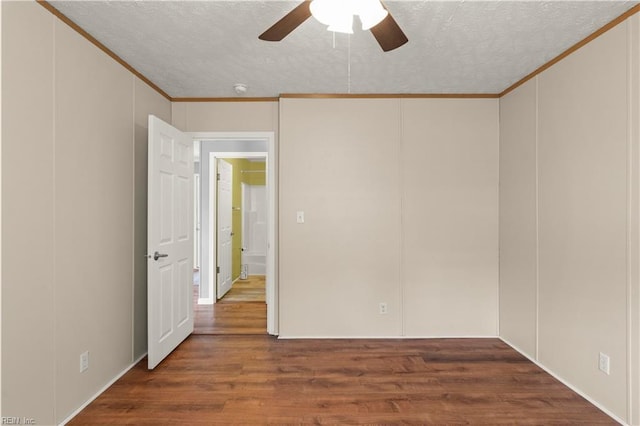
566	383
102	390
206	301
213	136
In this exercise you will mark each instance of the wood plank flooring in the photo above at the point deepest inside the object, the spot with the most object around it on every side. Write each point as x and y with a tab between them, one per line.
250	290
262	380
241	311
230	318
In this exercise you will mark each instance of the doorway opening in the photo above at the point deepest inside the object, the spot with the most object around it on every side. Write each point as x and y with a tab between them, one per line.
235	225
241	219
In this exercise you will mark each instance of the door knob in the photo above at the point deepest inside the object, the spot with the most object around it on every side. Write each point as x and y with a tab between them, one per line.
157	255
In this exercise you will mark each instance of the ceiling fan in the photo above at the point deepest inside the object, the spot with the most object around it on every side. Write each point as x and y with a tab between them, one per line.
338	15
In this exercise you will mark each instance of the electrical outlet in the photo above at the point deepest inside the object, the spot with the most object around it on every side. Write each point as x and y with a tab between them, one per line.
604	363
84	361
383	308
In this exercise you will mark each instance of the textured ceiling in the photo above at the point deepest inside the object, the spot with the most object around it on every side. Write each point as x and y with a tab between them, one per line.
202	48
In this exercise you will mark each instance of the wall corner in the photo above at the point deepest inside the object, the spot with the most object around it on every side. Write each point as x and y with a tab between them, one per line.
633	222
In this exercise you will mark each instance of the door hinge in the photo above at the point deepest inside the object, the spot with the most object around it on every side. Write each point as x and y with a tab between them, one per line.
217	269
218	176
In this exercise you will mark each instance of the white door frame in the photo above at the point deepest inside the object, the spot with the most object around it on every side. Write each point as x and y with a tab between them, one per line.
209	237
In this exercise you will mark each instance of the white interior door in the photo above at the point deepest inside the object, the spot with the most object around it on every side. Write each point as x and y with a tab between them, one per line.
224	229
169	240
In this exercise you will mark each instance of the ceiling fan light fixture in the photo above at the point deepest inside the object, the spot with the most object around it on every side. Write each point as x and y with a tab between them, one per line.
338	14
371	13
342	24
326	11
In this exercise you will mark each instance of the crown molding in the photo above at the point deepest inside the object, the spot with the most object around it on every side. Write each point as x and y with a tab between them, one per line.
572	49
575	47
224	99
389	95
101	46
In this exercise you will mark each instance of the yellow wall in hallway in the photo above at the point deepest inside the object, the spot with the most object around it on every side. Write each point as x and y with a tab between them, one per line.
239	165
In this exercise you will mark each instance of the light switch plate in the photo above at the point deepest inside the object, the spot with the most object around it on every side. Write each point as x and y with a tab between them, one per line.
300	217
84	361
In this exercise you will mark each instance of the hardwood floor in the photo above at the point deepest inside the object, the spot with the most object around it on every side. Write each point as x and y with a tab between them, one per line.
238	374
250	290
230	318
260	380
241	311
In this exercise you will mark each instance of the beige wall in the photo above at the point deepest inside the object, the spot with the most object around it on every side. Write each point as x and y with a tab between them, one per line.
76	123
28	346
342	170
518	220
225	116
401	208
577	116
633	255
93	228
450	217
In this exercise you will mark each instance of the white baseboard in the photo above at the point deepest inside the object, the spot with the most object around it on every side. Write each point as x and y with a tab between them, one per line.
205	301
566	383
104	388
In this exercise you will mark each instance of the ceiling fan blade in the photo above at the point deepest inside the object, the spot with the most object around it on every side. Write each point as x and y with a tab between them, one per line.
389	34
288	23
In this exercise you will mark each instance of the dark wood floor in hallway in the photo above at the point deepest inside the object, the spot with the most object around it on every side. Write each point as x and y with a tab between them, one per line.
261	380
241	311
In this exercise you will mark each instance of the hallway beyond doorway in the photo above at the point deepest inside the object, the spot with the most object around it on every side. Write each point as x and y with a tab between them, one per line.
243	291
241	311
